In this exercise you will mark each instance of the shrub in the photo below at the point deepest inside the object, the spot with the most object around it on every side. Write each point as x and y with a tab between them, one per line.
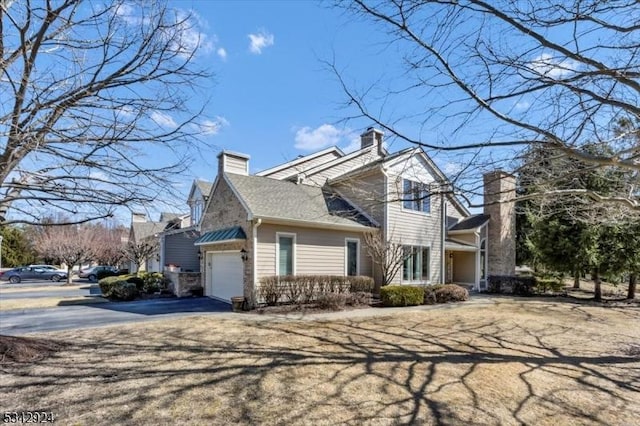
430	294
401	295
116	288
107	285
152	282
138	281
359	298
292	287
333	301
520	286
360	284
125	290
451	293
309	286
269	290
105	273
548	284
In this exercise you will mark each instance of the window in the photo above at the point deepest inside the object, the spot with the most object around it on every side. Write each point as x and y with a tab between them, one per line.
285	254
352	257
416	196
196	212
416	263
483	260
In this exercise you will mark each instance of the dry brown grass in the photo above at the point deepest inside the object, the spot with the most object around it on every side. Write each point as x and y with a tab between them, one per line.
48	302
514	362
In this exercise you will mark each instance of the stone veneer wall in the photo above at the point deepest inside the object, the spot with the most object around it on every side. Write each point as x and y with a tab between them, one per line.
184	284
499	200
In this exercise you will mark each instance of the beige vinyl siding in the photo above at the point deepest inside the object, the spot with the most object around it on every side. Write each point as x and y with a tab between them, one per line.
464	267
367	193
415	228
235	165
302	166
467	237
320	175
317	251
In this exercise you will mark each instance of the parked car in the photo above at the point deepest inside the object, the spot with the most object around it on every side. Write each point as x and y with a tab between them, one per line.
92	273
48	268
16	275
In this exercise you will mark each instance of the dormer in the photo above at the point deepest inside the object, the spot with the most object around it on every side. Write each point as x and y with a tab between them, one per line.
197	200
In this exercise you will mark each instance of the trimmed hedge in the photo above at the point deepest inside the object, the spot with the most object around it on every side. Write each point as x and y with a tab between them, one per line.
309	288
440	293
113	287
401	295
510	284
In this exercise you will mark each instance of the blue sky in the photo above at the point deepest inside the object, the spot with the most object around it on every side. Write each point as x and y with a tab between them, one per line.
273	97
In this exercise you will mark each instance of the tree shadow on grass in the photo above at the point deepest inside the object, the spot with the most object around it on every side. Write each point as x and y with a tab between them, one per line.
544	364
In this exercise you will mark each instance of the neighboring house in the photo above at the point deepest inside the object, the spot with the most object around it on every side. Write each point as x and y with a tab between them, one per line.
145	230
177	249
310	215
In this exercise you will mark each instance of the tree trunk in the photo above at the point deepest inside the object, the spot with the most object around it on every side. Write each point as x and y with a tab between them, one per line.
598	288
576	278
631	294
69	274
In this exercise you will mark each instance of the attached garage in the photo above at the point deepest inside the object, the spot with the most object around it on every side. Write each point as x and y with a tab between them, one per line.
225	275
224	269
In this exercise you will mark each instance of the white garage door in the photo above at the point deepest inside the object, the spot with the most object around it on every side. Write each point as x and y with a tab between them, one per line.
226	276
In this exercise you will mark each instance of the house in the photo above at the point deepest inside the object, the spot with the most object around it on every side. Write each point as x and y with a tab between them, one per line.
177	249
315	214
143	230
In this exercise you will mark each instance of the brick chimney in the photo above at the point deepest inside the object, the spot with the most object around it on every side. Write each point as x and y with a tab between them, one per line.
372	137
499	204
233	162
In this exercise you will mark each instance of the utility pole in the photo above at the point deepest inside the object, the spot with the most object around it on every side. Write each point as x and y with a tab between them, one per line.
0	252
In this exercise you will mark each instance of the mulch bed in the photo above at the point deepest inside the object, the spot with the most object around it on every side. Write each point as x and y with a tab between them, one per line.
26	350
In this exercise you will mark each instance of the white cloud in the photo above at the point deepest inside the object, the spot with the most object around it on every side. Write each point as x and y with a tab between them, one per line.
222	53
163	120
548	66
522	105
259	41
212	127
325	135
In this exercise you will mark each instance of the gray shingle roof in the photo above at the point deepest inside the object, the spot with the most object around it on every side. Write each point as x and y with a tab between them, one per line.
142	230
471	222
272	198
204	187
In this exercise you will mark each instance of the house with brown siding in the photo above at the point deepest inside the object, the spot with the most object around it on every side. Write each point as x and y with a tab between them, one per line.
311	216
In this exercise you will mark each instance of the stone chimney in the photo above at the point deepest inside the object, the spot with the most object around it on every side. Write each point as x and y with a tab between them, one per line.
137	217
372	137
233	162
499	204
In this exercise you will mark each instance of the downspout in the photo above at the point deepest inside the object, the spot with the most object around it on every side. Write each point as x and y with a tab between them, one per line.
257	223
443	220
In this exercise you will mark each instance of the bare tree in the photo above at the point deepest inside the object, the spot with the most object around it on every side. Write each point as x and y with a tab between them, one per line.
500	76
110	243
70	244
88	89
139	252
387	255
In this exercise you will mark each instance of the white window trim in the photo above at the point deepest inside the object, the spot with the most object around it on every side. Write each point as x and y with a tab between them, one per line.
346	255
293	266
414	282
412	211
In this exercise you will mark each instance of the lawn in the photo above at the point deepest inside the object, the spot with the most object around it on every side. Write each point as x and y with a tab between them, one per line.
516	361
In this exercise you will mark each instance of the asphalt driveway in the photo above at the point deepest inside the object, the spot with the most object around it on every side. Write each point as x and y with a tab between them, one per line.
16	322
